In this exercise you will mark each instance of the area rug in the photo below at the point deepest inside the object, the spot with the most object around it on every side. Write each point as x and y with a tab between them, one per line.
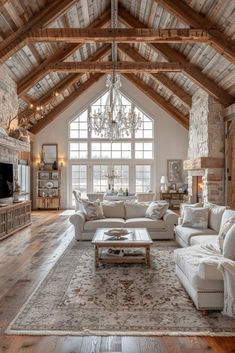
77	299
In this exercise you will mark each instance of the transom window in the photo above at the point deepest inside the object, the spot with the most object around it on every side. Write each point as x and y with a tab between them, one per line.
92	158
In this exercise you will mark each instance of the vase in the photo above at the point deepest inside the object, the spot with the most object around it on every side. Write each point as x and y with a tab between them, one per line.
55	165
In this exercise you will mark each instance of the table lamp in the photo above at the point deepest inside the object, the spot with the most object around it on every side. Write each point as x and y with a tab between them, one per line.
163	182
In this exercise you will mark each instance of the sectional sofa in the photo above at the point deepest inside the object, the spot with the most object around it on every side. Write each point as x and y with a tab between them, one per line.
197	264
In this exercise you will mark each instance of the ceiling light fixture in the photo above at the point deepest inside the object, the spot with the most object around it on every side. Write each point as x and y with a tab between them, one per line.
113	121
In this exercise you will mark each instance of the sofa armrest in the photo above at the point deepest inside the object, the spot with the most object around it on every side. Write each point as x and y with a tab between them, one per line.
78	219
170	218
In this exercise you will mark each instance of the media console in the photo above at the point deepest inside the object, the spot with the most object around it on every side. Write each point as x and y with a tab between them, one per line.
14	217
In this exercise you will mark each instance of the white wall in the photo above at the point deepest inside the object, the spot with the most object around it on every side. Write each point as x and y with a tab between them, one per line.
171	139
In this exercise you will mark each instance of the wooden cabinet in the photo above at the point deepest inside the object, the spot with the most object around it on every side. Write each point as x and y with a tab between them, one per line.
48	189
173	198
14	217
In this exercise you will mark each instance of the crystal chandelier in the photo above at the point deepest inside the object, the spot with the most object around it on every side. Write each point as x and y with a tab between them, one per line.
113	121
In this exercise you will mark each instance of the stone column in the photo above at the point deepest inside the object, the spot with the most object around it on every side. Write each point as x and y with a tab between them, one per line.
206	139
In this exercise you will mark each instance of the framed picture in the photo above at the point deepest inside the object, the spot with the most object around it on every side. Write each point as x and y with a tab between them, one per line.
50	153
174	170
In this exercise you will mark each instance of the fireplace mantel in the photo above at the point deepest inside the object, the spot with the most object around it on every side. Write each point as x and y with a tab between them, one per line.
203	163
14	144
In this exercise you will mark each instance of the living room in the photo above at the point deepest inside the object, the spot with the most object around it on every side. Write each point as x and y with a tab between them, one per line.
117	176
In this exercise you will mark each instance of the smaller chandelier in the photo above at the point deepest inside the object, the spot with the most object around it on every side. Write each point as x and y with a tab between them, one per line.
114	121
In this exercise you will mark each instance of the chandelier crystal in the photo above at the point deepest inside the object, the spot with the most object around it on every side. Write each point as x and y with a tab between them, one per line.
113	121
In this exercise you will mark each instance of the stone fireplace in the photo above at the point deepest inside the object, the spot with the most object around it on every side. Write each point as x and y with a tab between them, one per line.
205	164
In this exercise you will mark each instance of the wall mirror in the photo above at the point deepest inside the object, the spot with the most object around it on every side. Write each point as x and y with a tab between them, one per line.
50	153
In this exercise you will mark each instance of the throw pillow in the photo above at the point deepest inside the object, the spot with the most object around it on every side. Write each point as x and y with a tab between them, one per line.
156	210
114	209
135	210
215	215
224	230
184	205
196	217
229	244
93	210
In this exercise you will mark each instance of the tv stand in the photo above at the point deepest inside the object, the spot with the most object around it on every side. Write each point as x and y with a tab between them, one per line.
14	217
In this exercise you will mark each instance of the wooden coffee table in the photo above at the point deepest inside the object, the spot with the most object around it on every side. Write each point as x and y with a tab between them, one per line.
137	238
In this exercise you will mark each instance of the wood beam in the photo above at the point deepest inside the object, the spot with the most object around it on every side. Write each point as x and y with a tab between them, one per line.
172	55
64	84
121	35
166	106
19	38
3	2
224	45
60	108
160	77
120	66
33	77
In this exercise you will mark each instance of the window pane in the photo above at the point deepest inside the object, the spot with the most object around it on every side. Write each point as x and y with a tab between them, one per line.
79	179
122	181
100	181
78	150
143	178
146	129
78	128
144	150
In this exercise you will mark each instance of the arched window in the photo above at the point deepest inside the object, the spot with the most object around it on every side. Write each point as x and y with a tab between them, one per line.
92	157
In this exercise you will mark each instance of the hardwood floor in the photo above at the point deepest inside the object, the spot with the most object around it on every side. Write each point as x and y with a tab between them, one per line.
27	256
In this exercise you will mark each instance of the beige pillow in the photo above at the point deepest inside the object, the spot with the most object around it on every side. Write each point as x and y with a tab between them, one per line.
156	210
114	209
196	217
135	210
184	205
229	244
224	230
93	210
215	215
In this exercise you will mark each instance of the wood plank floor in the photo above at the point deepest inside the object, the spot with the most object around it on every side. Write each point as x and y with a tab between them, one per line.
27	256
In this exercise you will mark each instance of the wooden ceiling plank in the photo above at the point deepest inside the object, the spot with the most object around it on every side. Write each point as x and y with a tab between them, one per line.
166	106
163	79
33	77
64	84
224	45
172	55
60	108
120	35
18	39
120	66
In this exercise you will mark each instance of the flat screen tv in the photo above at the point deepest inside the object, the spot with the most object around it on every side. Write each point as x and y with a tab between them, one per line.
6	180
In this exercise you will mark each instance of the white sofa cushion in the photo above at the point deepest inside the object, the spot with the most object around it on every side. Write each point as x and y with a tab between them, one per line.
189	265
114	209
146	223
205	239
194	205
224	230
186	233
196	217
135	210
229	244
228	214
104	223
215	215
156	210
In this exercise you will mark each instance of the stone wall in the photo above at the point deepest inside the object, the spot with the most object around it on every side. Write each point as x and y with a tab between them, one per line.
9	103
206	139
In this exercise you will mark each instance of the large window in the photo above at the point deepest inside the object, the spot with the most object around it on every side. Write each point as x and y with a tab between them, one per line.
92	158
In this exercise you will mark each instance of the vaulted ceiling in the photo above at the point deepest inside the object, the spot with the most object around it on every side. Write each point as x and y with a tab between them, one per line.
56	49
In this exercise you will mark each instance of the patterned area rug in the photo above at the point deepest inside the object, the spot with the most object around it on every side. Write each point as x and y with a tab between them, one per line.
77	299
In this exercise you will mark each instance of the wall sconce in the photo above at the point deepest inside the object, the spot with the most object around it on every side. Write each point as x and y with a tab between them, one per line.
61	162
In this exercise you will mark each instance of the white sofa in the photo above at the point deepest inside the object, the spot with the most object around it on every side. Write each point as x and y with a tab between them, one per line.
125	215
197	272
